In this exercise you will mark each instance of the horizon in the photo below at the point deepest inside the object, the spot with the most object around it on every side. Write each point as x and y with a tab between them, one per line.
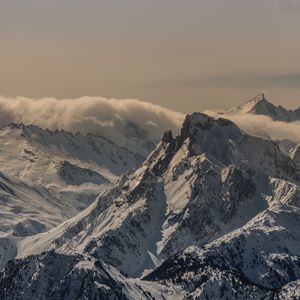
186	56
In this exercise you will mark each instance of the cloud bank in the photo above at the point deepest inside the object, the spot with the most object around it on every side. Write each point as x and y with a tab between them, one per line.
108	117
98	115
264	126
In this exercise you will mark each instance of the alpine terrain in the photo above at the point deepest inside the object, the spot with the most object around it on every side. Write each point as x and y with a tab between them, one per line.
212	213
47	177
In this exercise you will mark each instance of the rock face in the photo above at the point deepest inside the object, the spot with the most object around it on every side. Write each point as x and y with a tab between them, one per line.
212	213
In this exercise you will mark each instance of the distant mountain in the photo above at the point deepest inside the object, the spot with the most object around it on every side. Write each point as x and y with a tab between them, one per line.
136	140
261	106
49	176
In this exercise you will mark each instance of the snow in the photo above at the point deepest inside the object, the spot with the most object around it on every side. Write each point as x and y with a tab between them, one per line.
211	213
185	193
47	177
261	106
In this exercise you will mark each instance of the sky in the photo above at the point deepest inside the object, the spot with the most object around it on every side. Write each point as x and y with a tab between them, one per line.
186	55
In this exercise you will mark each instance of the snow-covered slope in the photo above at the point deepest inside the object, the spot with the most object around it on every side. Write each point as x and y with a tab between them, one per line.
261	106
214	212
258	260
47	177
39	150
211	179
135	139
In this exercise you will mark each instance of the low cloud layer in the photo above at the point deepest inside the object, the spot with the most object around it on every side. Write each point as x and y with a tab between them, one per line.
89	115
108	117
264	126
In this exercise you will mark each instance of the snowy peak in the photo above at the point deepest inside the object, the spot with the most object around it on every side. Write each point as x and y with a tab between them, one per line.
260	99
261	106
257	105
197	124
221	141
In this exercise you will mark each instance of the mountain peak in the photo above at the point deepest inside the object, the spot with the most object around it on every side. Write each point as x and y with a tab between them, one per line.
196	122
260	97
256	104
259	105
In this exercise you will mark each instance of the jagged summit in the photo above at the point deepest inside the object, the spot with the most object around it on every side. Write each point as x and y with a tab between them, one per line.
199	121
257	100
259	105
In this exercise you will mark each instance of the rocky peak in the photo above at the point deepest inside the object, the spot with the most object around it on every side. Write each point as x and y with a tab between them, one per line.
167	137
199	121
260	97
257	104
194	122
198	125
261	106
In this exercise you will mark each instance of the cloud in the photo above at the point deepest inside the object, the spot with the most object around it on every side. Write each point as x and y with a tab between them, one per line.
264	126
108	117
97	115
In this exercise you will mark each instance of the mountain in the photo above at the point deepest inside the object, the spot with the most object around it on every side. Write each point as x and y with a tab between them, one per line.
261	106
53	275
260	260
212	213
135	139
49	176
209	180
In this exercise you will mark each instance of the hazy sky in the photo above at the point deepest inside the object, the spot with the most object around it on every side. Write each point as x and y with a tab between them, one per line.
183	54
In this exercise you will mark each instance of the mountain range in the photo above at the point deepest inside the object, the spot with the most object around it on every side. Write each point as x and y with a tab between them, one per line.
212	213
